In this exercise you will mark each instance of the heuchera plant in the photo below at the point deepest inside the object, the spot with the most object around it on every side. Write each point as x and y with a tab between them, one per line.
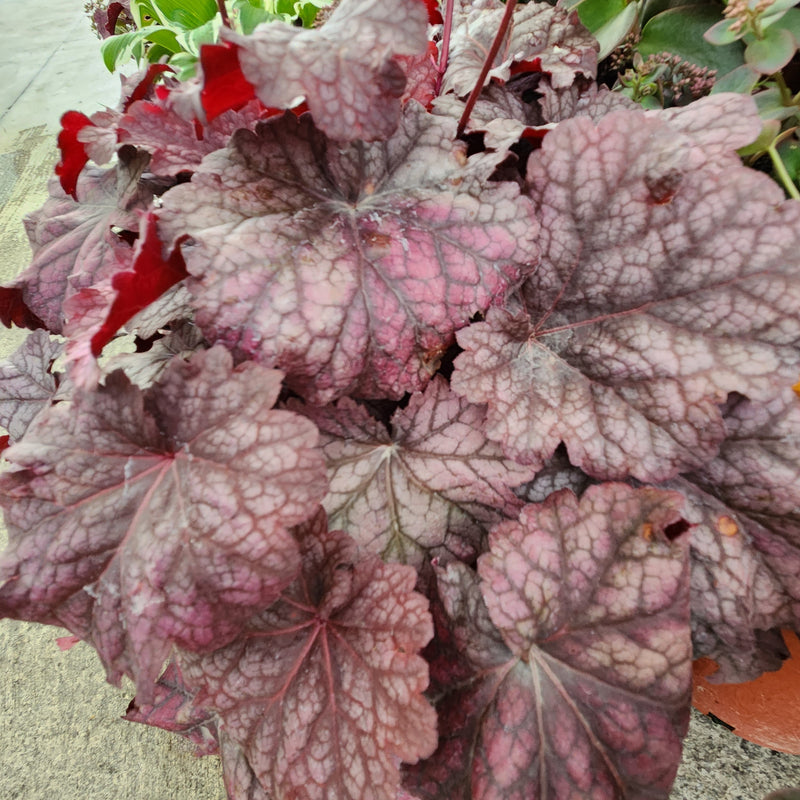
457	417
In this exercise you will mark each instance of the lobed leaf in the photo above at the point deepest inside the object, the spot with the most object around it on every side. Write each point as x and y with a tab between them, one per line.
321	696
27	383
74	244
746	540
583	689
344	69
552	37
145	519
348	267
648	308
432	487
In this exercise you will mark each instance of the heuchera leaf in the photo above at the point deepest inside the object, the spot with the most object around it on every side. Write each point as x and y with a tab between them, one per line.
73	243
173	709
224	86
176	144
142	519
551	37
746	540
27	384
432	487
344	69
348	267
587	692
323	691
648	308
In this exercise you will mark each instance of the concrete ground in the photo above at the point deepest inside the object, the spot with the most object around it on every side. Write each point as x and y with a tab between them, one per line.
61	735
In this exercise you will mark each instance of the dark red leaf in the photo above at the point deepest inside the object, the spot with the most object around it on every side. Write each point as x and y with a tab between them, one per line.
224	85
113	12
152	275
173	709
143	87
14	310
73	152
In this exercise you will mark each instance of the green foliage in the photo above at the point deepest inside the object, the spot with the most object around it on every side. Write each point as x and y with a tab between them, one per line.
175	30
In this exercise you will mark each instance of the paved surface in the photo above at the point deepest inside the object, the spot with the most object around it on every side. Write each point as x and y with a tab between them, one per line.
61	735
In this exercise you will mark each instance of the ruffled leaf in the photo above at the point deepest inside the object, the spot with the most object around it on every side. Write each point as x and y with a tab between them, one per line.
173	709
139	520
74	244
351	267
432	487
27	383
551	37
583	689
648	308
322	693
344	69
746	541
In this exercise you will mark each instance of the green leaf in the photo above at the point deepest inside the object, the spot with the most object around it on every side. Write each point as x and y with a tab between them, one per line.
680	31
773	52
722	33
615	30
791	22
185	65
775	12
652	7
163	37
767	136
741	80
789	151
117	50
144	13
193	40
770	104
186	14
251	15
596	13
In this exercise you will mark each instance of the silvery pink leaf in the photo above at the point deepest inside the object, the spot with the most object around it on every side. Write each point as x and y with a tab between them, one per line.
579	100
145	368
27	383
348	267
173	709
432	487
322	692
146	519
648	307
176	144
746	540
74	245
551	37
173	306
344	69
583	688
718	124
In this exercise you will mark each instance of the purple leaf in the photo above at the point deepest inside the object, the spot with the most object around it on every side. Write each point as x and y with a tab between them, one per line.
433	487
552	37
587	692
27	383
323	692
648	308
139	520
375	253
746	540
73	243
344	69
173	709
580	100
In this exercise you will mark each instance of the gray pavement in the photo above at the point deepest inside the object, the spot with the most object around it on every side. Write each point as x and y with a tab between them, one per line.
61	735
